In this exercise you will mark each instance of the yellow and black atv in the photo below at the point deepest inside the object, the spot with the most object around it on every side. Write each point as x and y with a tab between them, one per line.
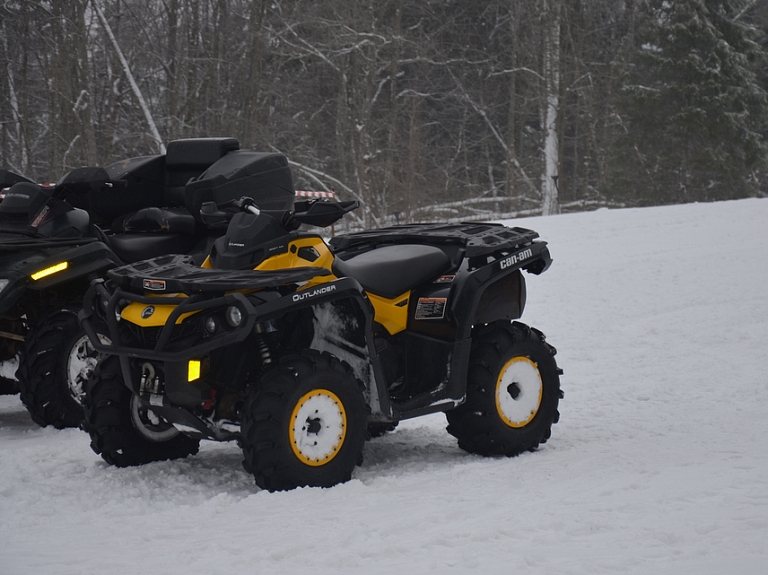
301	351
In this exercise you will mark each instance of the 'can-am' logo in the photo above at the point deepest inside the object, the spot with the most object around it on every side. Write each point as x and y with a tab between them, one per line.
313	293
147	311
516	259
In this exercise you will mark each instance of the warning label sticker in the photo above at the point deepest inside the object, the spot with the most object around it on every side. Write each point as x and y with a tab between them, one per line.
431	308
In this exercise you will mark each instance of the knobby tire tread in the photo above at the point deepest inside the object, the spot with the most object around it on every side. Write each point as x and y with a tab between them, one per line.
107	408
476	423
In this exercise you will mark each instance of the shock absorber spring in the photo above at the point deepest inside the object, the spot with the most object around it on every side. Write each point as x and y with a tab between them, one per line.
261	330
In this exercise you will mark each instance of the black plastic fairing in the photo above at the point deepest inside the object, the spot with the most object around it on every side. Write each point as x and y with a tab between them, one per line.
8	178
471	283
502	299
195	152
20	200
250	239
321	213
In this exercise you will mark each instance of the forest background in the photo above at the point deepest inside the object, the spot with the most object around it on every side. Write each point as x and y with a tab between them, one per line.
420	109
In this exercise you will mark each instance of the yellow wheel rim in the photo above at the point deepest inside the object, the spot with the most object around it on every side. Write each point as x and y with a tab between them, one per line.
518	392
317	427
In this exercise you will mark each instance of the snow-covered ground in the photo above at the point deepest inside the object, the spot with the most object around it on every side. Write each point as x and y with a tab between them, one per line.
659	464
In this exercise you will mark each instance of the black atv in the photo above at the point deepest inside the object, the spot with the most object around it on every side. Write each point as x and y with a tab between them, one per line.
8	385
55	240
301	351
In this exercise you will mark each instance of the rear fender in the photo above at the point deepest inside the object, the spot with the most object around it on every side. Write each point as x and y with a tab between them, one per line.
502	299
496	290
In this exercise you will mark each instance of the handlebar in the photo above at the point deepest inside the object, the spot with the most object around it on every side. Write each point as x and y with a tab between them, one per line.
247	204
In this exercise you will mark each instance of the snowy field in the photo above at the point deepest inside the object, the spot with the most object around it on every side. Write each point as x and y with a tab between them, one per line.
659	464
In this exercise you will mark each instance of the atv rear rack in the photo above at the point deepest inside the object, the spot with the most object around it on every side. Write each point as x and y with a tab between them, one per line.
478	239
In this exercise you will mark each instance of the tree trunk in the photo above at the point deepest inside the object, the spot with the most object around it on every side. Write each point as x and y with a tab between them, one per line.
551	148
134	86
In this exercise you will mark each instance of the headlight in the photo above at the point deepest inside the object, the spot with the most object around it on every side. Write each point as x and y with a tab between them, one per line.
234	316
3	283
210	325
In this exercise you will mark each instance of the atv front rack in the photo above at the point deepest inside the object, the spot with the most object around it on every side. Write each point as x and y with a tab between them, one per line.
178	273
176	281
190	289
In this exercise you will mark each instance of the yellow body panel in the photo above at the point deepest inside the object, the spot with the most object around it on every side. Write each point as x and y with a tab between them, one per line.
391	313
388	313
132	313
291	258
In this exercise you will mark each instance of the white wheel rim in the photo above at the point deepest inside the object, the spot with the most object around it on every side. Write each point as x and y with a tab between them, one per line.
148	424
518	392
317	427
81	361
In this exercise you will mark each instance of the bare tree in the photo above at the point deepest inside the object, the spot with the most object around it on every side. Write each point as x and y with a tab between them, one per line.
551	65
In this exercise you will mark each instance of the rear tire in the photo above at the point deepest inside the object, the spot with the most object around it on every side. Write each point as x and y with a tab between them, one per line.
54	363
124	432
8	386
513	391
378	429
304	424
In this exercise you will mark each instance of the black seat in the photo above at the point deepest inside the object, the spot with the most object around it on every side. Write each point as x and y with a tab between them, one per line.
136	247
390	271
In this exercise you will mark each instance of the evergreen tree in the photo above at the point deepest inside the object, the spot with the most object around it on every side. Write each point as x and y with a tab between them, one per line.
691	114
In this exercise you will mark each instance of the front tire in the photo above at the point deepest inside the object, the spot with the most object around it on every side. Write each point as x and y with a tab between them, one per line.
54	363
513	391
304	424
124	432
